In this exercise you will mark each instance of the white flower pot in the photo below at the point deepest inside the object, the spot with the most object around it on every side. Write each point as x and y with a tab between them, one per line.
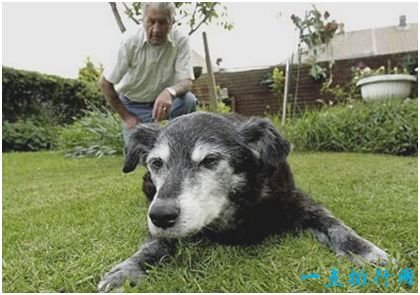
393	86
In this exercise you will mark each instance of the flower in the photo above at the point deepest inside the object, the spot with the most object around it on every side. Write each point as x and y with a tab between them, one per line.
366	71
359	72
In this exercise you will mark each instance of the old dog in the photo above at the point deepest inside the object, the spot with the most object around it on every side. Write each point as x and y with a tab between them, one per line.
226	179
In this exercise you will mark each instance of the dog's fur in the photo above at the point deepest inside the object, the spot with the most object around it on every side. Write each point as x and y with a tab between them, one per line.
226	179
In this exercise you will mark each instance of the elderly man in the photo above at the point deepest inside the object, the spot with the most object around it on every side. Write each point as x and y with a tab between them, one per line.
151	76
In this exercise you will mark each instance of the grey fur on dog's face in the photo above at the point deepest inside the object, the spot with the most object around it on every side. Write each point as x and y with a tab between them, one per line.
199	182
197	164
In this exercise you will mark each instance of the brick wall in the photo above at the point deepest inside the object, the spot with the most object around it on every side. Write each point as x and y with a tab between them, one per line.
254	98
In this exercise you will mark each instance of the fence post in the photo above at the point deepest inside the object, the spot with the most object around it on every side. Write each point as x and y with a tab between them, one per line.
286	93
297	82
210	74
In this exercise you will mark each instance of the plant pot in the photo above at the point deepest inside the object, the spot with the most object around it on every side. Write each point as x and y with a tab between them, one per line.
393	86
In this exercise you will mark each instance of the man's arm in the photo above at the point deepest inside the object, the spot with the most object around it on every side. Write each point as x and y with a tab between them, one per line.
163	103
111	95
183	87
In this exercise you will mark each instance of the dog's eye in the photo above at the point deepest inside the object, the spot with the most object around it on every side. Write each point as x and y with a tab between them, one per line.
156	163
210	161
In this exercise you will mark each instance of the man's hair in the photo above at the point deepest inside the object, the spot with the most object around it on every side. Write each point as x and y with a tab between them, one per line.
168	6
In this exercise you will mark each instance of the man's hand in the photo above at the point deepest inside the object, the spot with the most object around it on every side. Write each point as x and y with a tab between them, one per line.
162	106
130	121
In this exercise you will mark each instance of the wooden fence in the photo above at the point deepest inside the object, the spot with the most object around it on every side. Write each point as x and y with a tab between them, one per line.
253	98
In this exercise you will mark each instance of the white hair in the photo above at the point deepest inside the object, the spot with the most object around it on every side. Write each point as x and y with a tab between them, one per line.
168	6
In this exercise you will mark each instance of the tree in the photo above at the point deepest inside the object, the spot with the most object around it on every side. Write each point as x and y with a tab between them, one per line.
193	14
315	31
90	72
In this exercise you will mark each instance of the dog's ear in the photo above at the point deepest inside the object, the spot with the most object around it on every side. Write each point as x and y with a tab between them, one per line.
265	142
139	144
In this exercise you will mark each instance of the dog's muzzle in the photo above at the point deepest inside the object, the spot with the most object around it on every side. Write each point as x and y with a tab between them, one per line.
164	213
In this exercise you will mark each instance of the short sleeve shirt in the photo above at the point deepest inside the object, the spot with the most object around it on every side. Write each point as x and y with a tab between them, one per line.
140	70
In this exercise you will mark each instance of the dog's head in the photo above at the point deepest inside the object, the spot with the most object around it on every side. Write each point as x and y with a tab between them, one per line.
199	164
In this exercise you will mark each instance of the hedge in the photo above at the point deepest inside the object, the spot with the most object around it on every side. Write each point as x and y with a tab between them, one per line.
34	95
28	135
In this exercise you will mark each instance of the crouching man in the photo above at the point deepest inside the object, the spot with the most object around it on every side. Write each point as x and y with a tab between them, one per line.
150	78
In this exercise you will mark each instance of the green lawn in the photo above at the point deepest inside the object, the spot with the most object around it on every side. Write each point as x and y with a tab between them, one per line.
67	221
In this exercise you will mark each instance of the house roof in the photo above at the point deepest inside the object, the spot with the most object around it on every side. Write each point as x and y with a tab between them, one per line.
199	61
370	42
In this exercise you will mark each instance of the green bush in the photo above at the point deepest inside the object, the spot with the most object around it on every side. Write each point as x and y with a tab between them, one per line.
28	135
97	133
388	127
221	107
38	95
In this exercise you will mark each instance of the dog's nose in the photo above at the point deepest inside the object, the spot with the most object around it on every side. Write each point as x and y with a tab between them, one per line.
163	216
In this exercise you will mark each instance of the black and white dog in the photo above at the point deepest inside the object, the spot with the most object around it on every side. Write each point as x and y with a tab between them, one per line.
226	179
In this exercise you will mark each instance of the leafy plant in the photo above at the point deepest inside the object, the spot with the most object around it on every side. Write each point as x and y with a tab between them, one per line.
97	133
221	107
274	80
317	72
388	127
314	31
90	73
343	94
28	135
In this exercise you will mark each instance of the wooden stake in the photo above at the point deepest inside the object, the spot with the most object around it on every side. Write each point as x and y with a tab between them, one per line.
297	82
286	93
211	79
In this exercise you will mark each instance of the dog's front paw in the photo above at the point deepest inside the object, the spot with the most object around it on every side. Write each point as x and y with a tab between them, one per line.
373	255
376	256
119	274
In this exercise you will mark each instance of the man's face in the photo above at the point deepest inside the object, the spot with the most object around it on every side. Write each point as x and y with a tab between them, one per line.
157	24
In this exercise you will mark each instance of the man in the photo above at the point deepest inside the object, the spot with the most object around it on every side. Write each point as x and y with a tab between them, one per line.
151	75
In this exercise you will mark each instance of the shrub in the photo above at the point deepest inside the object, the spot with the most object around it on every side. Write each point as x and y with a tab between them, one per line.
97	133
388	127
274	80
221	107
90	73
58	99
28	135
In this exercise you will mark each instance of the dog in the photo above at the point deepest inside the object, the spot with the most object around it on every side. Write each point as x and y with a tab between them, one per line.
226	179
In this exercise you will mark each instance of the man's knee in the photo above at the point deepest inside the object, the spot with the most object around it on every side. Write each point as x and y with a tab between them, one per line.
190	102
183	105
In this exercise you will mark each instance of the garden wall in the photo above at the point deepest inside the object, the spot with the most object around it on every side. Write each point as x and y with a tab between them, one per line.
251	97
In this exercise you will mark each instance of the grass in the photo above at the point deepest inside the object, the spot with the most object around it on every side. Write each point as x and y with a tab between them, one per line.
67	221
